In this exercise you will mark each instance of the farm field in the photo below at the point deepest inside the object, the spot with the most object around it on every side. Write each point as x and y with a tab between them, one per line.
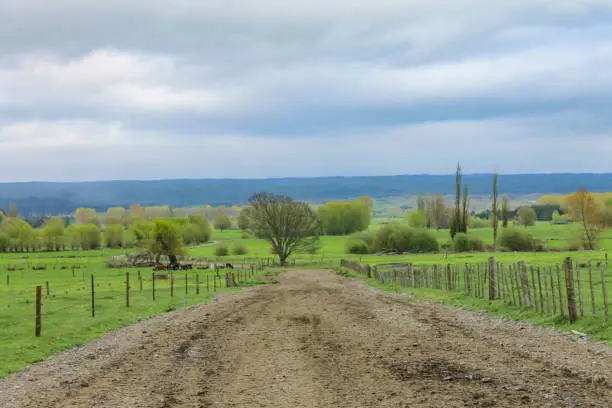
333	248
66	314
67	311
318	340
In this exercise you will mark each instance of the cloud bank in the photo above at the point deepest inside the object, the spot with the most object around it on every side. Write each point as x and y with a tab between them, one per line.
161	89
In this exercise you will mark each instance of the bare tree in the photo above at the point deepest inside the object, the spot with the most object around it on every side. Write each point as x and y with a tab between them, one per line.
286	224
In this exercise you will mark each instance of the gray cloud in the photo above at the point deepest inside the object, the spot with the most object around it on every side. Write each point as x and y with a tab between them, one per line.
101	89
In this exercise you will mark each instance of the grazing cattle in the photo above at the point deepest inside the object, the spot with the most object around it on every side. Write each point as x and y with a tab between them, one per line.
229	266
159	267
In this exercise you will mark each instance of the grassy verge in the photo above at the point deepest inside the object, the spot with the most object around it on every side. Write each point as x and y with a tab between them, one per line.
595	328
66	312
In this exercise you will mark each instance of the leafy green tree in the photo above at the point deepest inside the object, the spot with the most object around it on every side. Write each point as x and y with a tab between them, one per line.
13	212
222	221
243	221
53	236
83	215
166	240
114	236
368	201
90	237
526	216
204	230
114	220
417	219
142	231
72	237
20	234
342	217
286	224
582	207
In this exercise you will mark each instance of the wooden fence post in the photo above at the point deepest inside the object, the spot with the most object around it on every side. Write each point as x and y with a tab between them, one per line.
569	286
93	297
171	283
603	288
561	308
127	289
525	282
38	326
552	291
186	284
579	288
492	288
540	289
593	308
534	299
197	284
47	286
547	294
153	282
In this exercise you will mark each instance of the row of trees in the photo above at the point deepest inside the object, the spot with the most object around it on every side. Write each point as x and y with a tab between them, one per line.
16	235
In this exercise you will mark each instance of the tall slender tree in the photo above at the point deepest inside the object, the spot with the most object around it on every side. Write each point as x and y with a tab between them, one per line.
465	210
494	219
456	224
505	211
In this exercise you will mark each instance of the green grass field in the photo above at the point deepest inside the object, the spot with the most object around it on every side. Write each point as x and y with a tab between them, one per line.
333	248
67	317
66	313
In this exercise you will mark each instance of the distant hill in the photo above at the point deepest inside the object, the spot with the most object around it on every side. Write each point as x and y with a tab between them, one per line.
55	198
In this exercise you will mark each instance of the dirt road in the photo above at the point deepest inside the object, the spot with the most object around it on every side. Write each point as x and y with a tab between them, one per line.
317	340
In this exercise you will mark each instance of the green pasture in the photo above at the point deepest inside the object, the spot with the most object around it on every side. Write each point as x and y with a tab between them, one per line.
333	248
66	312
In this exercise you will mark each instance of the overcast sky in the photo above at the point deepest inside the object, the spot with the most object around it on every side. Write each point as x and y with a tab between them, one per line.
147	89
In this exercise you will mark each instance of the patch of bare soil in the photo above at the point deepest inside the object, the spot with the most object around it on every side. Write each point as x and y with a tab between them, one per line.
316	340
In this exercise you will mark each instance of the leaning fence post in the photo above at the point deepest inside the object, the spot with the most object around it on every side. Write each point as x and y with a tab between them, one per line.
38	327
569	286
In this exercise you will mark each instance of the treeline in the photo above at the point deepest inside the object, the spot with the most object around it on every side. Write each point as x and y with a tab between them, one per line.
126	230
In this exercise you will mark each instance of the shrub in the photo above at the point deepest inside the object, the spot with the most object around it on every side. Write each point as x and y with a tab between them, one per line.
461	242
239	249
368	237
357	246
221	250
515	240
244	236
447	245
476	244
401	238
479	223
424	241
